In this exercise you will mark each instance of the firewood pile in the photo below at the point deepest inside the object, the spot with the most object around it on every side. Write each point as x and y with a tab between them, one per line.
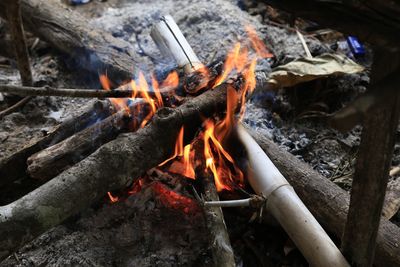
194	134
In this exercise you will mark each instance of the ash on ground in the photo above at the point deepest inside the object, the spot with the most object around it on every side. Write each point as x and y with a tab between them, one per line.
138	231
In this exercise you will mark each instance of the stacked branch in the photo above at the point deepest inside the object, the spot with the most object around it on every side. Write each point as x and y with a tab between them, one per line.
112	166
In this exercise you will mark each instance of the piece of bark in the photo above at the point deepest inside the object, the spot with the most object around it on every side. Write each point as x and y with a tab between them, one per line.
53	160
18	36
112	166
220	244
327	201
14	166
66	30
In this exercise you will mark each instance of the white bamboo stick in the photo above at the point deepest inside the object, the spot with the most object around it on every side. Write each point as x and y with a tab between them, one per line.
170	40
284	204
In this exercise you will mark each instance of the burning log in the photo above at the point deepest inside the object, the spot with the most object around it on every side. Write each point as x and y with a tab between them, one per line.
71	33
327	201
14	167
112	166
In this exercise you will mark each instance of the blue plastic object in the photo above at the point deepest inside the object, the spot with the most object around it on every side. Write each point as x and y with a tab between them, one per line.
355	46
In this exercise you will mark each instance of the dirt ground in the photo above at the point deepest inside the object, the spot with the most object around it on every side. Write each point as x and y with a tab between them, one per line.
140	230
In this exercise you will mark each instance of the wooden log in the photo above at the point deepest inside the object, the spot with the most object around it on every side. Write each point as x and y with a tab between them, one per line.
112	166
66	30
53	160
373	21
327	201
14	166
220	244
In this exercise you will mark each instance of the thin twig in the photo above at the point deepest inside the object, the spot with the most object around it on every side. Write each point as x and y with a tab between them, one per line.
124	91
14	107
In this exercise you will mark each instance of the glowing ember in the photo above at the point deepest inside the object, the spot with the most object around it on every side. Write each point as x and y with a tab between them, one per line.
173	200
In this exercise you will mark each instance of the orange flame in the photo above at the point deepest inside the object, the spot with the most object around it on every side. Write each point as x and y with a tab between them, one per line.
178	148
172	80
187	163
257	43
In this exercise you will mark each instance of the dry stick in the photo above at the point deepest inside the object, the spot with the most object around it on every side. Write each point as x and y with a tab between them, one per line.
327	201
53	160
14	166
112	166
124	91
21	52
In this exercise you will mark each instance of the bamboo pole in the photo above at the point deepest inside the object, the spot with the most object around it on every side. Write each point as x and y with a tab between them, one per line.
287	208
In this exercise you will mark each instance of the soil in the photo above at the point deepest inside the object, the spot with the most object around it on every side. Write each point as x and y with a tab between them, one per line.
140	230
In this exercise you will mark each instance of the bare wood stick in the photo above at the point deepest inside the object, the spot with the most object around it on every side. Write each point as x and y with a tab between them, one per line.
53	160
221	248
112	166
14	166
327	201
124	91
18	35
370	182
